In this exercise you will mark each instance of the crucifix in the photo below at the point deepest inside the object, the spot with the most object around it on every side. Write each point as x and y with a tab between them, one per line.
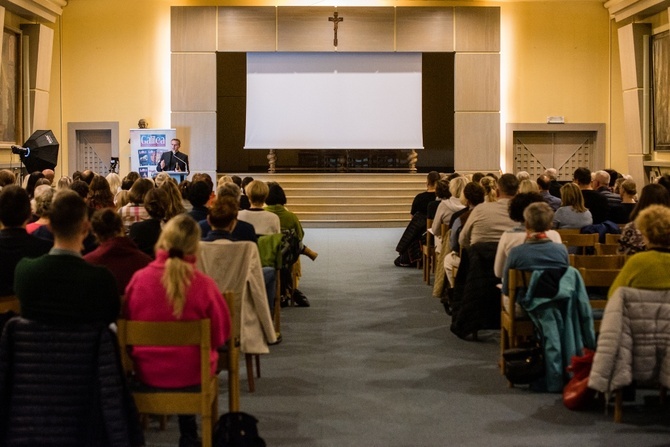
336	20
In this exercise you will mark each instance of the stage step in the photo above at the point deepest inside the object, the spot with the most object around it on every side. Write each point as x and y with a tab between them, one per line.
349	200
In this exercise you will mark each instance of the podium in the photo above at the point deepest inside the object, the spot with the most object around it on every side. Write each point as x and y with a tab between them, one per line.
178	176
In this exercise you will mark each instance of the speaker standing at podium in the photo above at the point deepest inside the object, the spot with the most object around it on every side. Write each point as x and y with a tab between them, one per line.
173	160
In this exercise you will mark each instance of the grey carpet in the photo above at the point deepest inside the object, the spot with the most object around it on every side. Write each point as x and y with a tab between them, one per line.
373	363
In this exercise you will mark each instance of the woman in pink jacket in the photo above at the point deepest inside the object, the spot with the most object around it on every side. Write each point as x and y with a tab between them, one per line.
171	289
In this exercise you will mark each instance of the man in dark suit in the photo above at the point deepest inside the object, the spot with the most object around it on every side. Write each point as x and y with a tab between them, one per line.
15	242
593	200
173	160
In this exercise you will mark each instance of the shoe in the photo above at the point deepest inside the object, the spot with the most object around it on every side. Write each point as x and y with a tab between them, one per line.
311	254
400	264
284	302
279	339
300	299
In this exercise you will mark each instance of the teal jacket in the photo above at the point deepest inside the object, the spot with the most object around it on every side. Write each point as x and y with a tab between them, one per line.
558	305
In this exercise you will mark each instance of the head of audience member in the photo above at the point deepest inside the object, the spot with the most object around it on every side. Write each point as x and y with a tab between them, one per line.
106	224
14	207
539	217
76	175
32	182
508	186
257	191
245	182
139	189
520	202
276	194
99	193
63	183
601	179
229	189
7	177
456	186
492	175
175	203
490	188
114	181
223	180
543	182
43	198
552	173
185	187
654	224
80	187
42	182
199	193
223	213
523	175
156	202
571	195
477	176
68	220
431	180
528	186
450	177
473	194
616	189
442	189
614	176
204	177
237	180
129	180
628	191
179	240
651	194
88	176
49	174
582	176
122	199
161	178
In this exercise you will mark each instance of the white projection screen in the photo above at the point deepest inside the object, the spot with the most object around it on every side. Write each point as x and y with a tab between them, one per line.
333	101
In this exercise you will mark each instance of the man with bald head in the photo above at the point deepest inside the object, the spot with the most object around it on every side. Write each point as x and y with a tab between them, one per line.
49	174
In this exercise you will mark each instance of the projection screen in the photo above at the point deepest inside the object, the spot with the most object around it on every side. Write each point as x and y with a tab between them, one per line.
333	101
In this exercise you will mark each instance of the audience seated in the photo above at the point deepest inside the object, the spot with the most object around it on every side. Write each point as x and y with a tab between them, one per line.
31	183
649	269
264	222
175	203
528	185
222	218
7	178
441	193
620	213
43	197
116	251
447	208
544	183
601	184
554	184
242	231
518	235
171	289
114	182
99	194
198	195
490	188
595	202
60	287
146	232
572	213
135	211
631	240
15	242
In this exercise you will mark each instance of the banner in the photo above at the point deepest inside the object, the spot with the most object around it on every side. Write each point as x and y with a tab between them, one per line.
146	148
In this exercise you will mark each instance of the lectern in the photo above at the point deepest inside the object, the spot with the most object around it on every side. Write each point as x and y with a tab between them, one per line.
178	176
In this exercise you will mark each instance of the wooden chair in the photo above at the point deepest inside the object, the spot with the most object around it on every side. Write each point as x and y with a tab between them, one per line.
233	355
612	239
203	402
582	241
598	278
597	261
607	249
10	303
512	327
568	231
428	252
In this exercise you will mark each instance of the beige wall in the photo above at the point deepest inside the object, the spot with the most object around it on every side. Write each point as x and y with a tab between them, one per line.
116	65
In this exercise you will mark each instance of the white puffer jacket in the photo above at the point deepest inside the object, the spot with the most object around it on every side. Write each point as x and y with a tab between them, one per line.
634	342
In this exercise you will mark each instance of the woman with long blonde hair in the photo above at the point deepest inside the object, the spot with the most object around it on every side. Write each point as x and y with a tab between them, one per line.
171	289
490	188
572	213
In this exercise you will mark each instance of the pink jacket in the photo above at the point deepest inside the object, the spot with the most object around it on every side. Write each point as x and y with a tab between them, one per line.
174	367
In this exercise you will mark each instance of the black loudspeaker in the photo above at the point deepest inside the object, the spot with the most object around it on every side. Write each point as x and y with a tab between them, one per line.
39	152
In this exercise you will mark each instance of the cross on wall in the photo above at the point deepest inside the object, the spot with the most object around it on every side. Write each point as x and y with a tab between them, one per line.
336	19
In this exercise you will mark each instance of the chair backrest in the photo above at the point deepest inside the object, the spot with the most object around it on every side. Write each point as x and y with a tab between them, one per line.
516	279
612	239
607	249
598	277
597	261
234	307
166	333
580	240
429	232
567	231
10	303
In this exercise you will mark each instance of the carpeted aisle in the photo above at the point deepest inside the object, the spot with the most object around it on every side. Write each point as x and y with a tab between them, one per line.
372	363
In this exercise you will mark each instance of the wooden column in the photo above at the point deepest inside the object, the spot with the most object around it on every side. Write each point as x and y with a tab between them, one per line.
40	41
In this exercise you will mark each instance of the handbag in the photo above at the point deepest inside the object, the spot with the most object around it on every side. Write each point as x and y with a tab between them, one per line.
576	393
524	365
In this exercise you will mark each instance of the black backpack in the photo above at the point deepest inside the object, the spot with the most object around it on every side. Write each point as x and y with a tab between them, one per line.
290	247
237	430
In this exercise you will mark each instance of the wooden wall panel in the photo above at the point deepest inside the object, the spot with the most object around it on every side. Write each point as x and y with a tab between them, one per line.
2	21
477	82
366	29
197	132
425	29
477	141
193	28
632	112
247	28
193	82
631	53
39	108
41	41
304	29
477	29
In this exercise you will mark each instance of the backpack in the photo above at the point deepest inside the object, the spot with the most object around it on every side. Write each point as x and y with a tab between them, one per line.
290	247
236	429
